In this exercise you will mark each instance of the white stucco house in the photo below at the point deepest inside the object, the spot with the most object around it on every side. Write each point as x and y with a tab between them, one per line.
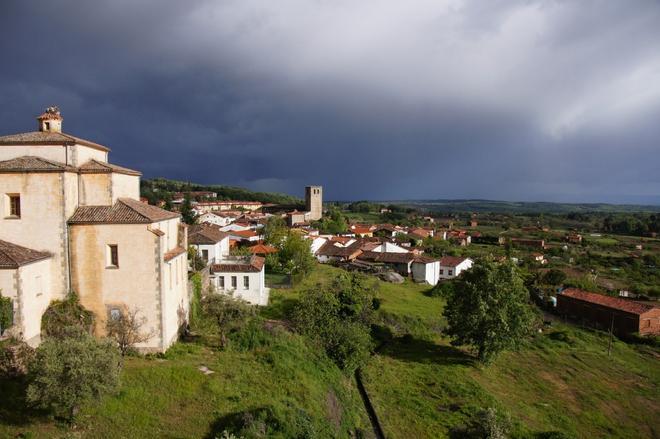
242	277
211	243
426	269
218	218
452	266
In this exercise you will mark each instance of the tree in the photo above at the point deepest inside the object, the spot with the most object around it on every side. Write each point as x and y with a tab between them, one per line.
229	313
338	319
489	309
554	277
188	215
62	315
70	371
126	330
295	255
275	231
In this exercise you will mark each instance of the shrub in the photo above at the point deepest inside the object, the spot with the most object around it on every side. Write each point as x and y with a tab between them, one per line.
15	358
230	314
126	330
485	424
6	313
70	371
339	318
62	315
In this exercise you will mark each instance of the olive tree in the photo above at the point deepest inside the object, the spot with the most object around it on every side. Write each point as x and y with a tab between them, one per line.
69	371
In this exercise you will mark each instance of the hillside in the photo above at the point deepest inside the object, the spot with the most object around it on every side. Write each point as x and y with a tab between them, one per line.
517	207
158	188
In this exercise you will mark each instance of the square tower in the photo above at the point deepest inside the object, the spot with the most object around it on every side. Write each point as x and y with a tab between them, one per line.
314	202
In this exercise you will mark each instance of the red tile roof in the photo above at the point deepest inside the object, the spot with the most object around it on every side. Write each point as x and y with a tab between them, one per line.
34	164
174	253
48	138
608	301
262	249
205	234
252	265
124	211
451	261
14	256
98	167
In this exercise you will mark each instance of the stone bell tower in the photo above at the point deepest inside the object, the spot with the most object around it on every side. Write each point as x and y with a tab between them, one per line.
51	120
314	202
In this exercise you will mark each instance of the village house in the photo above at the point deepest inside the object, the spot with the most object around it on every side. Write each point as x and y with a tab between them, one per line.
211	243
242	277
213	206
71	221
219	218
426	269
605	312
452	266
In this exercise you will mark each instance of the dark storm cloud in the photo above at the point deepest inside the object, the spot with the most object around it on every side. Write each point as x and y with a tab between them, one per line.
375	99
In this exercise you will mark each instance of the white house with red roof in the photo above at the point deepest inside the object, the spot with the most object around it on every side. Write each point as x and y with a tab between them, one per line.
452	266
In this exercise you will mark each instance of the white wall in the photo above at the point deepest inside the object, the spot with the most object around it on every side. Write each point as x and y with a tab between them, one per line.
256	294
429	273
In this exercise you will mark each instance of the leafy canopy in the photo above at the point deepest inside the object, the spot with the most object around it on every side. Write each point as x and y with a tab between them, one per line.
488	309
338	318
71	371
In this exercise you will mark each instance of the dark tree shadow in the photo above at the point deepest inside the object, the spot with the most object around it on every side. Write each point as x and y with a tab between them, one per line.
414	350
14	409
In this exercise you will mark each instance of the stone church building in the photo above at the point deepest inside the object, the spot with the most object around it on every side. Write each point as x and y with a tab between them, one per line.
72	221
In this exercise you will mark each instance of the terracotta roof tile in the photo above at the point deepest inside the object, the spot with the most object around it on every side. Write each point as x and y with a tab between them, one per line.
47	138
252	265
608	301
96	167
34	164
205	234
14	256
174	253
451	261
124	211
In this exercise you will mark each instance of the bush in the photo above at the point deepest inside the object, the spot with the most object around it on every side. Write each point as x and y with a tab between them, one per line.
6	313
250	336
339	318
485	424
267	422
62	315
15	358
126	330
70	371
229	314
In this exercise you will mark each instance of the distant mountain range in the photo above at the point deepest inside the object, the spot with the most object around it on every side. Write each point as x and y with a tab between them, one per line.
518	206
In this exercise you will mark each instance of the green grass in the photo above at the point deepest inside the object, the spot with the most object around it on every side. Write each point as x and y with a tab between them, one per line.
420	385
169	397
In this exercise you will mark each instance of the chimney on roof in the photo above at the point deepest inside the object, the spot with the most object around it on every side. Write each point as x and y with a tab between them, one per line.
50	120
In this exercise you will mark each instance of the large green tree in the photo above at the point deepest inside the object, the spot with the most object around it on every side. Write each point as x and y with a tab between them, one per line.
338	319
489	309
275	231
70	371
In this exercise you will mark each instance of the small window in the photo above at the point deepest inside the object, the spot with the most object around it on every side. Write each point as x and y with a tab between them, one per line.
234	282
246	282
205	255
442	271
115	314
15	205
450	272
221	282
113	256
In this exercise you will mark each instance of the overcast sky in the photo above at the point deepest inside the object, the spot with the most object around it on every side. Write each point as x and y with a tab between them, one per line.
390	99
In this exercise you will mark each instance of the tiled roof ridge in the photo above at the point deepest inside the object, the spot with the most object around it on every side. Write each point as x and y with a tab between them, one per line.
14	255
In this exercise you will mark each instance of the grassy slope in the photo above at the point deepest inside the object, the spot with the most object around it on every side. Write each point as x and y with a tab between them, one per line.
170	397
